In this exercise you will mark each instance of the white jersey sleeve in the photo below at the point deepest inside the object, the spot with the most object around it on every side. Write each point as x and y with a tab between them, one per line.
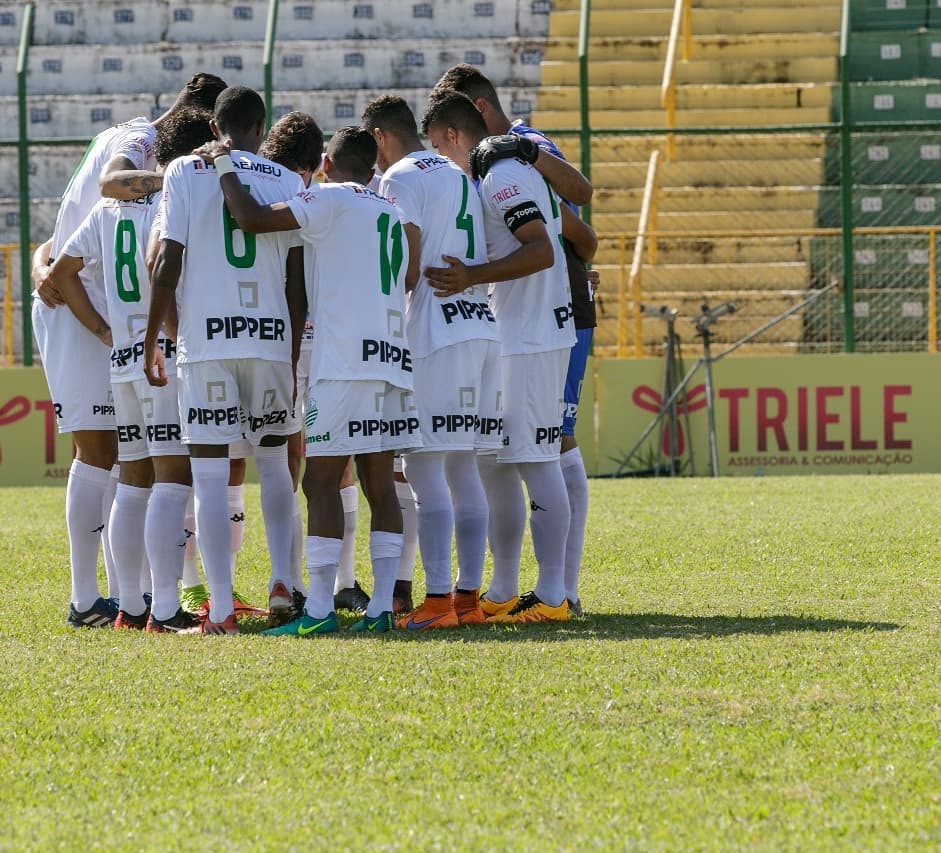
314	213
534	313
85	242
174	205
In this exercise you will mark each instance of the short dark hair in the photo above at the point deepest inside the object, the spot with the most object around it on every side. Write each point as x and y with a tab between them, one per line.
353	150
469	81
180	132
239	109
295	141
201	90
453	109
391	114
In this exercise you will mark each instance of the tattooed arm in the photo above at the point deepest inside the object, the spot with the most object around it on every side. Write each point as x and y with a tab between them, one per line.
119	179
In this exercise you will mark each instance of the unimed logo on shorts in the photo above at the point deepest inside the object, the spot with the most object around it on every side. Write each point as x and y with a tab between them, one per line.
310	418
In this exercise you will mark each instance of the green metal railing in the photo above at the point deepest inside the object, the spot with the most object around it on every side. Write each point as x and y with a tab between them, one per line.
846	184
584	28
271	28
22	65
843	130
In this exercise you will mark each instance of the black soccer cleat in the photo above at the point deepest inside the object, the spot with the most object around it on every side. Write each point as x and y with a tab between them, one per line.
100	615
353	598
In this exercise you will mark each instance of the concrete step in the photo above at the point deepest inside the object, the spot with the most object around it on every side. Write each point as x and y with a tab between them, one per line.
609	5
699	222
702	250
732	117
701	277
748	19
706	48
785	335
715	173
817	69
690	96
706	147
707	199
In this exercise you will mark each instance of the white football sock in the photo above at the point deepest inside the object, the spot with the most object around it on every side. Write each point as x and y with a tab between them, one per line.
471	516
549	521
213	533
146	582
166	542
576	484
297	546
506	526
107	552
346	575
127	545
406	567
236	504
277	507
385	552
84	494
190	572
425	472
323	554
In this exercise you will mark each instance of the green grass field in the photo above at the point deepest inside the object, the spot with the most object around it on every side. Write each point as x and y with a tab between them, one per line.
760	668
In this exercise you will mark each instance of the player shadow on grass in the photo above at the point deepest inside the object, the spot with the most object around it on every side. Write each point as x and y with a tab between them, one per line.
636	626
650	626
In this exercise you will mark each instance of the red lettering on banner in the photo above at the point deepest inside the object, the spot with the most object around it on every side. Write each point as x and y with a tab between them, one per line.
802	420
48	408
892	417
824	417
857	442
13	410
767	422
775	411
733	395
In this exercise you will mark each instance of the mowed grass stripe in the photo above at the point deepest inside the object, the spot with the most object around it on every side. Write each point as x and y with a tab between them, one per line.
759	669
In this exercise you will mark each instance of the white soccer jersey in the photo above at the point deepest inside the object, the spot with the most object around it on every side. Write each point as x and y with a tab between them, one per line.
534	314
231	295
433	193
134	140
115	235
356	288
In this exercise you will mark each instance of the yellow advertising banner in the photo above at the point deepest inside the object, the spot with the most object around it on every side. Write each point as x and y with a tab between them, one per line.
814	414
32	453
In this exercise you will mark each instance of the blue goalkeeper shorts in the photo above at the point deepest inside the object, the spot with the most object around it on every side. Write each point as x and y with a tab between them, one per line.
578	359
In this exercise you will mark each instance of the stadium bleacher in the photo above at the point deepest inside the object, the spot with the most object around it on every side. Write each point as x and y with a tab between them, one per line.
97	63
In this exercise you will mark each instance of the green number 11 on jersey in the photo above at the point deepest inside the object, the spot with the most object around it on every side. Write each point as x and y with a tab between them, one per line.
390	264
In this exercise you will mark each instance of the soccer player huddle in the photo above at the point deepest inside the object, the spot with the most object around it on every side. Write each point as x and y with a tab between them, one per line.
415	306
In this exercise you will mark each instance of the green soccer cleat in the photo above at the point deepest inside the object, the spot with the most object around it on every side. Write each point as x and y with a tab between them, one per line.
192	598
380	624
305	626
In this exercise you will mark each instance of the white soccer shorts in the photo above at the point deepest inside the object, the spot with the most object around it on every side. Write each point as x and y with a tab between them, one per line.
220	401
78	370
532	386
148	420
457	391
346	417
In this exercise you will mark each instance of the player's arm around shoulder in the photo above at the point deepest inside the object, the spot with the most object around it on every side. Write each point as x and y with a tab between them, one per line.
120	179
64	274
564	178
579	234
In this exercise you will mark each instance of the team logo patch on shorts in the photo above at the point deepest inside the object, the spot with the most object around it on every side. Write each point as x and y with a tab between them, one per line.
310	416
